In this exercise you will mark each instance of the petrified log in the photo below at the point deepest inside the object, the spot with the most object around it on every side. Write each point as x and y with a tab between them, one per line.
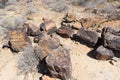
65	32
59	64
48	25
103	53
87	37
17	40
111	38
47	44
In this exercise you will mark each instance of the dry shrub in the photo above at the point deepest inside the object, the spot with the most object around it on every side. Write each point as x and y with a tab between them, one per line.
56	5
27	60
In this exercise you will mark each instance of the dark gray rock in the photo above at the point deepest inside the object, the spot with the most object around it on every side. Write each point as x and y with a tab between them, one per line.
111	38
103	53
87	37
59	64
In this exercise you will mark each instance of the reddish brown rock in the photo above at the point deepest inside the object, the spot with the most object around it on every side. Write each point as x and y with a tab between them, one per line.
48	25
17	40
65	32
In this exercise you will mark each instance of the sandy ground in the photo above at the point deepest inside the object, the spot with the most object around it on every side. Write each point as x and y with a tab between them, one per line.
83	66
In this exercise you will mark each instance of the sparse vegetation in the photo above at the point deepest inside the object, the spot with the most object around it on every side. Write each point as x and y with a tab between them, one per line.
28	60
57	5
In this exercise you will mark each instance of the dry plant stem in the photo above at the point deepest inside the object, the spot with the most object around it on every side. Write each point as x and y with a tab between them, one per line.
26	76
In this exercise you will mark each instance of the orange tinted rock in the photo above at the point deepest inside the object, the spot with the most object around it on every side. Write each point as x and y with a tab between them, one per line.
18	40
48	25
65	32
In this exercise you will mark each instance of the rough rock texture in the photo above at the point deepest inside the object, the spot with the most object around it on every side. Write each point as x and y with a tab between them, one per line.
88	37
103	53
47	44
59	64
65	32
30	29
48	25
17	40
111	38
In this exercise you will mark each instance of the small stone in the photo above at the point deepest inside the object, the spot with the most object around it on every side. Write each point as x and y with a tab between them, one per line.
103	53
65	32
48	25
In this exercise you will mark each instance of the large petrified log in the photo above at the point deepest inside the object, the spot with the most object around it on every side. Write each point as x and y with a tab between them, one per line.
87	37
59	64
111	38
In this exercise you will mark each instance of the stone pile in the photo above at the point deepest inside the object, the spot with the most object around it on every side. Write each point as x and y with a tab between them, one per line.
53	57
105	44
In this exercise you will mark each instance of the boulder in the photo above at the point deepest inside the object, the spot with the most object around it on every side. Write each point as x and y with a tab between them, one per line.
48	25
111	38
17	40
103	53
87	37
59	64
65	32
46	44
